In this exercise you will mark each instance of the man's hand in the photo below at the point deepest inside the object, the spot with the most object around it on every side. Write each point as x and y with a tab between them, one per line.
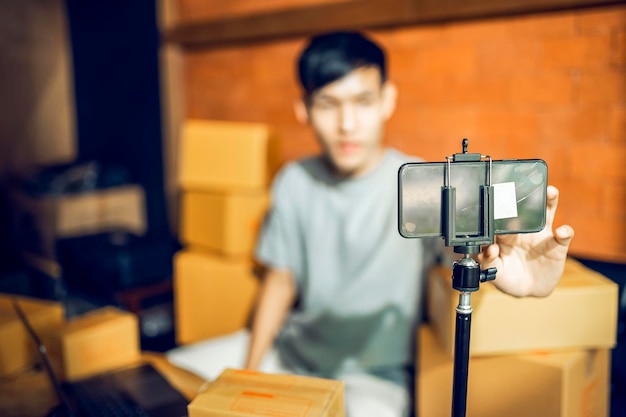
530	264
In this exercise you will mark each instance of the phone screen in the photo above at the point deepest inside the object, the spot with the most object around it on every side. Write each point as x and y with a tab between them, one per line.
519	196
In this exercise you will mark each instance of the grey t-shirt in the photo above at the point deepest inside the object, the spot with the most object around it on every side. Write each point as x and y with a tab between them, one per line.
359	282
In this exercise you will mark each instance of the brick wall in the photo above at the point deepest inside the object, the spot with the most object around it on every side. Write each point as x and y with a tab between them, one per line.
549	86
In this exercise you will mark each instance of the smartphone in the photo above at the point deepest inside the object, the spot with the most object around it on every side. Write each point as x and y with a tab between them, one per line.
519	190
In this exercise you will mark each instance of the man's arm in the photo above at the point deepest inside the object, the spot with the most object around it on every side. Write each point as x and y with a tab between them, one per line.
276	297
530	264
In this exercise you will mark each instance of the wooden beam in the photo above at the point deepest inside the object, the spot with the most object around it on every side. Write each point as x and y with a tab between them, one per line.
358	14
447	10
288	22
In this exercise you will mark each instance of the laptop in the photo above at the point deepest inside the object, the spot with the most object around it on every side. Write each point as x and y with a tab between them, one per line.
138	390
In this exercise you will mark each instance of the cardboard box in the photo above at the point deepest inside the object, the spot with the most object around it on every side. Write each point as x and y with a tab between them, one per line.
247	393
557	384
581	312
227	223
41	220
218	155
17	348
51	339
97	341
213	295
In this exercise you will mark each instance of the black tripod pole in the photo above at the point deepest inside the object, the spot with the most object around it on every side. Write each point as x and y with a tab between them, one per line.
461	355
466	278
466	273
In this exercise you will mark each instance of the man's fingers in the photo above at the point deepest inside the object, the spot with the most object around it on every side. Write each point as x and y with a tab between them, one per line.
553	194
551	204
506	239
563	235
489	253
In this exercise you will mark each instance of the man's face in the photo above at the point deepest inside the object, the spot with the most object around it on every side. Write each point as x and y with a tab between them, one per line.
348	116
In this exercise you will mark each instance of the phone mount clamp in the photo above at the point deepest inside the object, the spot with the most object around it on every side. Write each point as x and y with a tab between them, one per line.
466	272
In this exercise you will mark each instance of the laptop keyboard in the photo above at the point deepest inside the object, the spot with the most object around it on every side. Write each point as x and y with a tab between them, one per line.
105	399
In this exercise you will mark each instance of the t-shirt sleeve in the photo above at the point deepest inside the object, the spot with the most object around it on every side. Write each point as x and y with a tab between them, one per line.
280	245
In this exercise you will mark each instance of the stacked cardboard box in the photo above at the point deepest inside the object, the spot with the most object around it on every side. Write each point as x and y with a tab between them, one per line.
224	173
93	342
97	341
528	356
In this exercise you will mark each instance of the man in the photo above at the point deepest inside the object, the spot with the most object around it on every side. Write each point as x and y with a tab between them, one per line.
341	295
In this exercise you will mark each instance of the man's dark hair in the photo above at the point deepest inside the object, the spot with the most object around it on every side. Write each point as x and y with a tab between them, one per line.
331	56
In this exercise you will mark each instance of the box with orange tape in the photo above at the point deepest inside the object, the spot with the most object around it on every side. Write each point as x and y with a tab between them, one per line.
238	393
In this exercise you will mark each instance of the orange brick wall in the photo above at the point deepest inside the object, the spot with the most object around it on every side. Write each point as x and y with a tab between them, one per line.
549	86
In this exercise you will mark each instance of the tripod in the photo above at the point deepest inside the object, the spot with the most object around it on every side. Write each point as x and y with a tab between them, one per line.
466	276
466	272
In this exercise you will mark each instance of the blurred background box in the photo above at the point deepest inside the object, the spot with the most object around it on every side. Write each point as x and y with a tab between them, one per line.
581	312
225	222
97	341
213	295
40	220
548	384
221	155
16	345
247	393
105	263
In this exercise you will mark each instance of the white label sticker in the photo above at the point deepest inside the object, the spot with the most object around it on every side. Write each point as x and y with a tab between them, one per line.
504	201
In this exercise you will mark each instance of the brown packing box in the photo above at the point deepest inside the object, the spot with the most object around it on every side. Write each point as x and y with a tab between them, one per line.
50	338
581	312
557	384
225	222
213	295
220	155
71	215
239	393
97	341
17	348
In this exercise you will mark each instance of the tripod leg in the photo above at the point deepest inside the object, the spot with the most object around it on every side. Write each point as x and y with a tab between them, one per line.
461	355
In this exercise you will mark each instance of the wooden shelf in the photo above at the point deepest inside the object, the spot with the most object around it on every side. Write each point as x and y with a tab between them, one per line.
358	14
